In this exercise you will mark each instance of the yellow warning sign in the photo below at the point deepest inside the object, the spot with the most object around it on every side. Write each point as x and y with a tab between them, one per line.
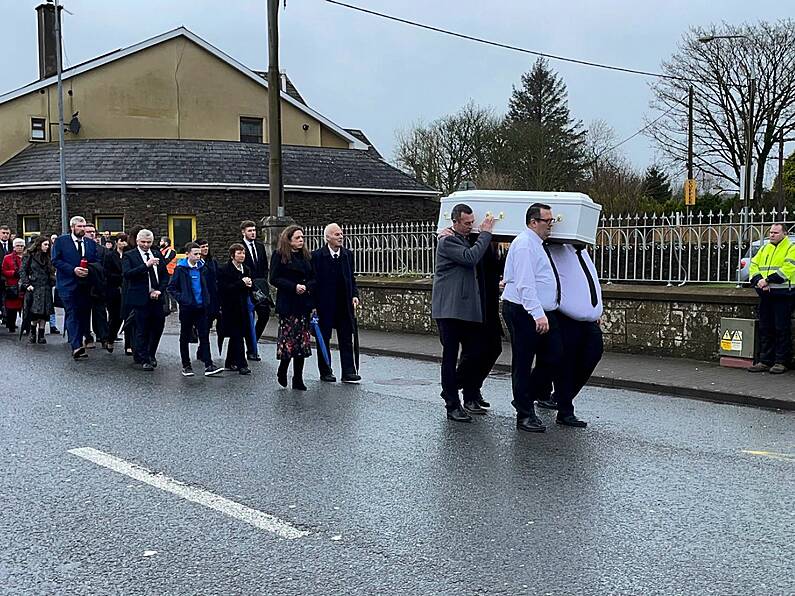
726	341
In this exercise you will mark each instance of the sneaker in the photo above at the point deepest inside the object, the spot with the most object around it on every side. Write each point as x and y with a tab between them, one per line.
211	370
778	369
759	367
187	371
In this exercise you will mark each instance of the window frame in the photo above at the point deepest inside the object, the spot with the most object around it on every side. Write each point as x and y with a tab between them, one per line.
101	231
26	234
251	119
171	220
44	127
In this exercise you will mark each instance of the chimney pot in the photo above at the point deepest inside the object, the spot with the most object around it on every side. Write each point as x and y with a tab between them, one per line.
48	60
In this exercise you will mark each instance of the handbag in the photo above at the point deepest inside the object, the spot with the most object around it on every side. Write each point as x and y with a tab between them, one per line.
12	292
261	296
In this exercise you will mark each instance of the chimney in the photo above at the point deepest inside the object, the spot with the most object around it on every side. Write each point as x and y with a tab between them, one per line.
48	63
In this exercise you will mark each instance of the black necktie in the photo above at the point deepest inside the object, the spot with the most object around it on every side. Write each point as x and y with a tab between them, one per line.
591	284
253	253
336	255
555	271
152	274
80	248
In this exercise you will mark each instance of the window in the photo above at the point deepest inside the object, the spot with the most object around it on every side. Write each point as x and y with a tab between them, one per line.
109	224
251	130
31	227
181	230
38	129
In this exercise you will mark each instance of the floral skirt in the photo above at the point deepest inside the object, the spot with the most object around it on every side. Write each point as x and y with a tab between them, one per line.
295	340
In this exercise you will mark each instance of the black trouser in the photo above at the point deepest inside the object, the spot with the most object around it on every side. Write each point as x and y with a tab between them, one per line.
99	319
582	350
455	334
527	344
479	364
775	331
149	322
11	319
190	317
235	356
342	323
114	315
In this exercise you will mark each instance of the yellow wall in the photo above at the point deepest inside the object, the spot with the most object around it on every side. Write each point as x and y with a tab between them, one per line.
174	90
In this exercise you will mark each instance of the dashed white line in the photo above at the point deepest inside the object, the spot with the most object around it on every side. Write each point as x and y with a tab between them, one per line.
258	519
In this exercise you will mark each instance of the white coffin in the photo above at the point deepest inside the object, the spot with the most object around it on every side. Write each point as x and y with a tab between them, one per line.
576	215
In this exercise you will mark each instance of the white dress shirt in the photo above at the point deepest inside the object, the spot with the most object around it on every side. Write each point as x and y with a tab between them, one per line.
154	268
252	249
333	253
529	279
575	291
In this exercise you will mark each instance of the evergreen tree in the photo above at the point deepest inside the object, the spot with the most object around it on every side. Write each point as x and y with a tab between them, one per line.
543	148
656	186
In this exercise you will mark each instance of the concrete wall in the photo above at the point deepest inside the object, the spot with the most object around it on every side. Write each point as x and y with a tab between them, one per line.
174	90
677	322
218	213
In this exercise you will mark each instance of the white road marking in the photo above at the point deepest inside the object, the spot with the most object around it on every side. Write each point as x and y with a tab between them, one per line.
771	454
258	519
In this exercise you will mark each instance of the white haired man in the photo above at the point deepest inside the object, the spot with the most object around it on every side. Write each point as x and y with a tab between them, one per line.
71	255
144	269
336	297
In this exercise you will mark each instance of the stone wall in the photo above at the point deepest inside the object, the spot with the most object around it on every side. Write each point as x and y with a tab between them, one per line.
677	322
218	213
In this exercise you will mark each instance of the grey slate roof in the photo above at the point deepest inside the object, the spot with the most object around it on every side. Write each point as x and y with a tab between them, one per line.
219	162
359	134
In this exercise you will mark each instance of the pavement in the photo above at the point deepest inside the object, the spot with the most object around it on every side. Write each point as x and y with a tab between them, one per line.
117	481
677	377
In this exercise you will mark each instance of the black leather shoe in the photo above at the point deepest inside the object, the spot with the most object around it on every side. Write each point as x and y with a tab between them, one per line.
483	403
79	354
298	384
571	420
326	378
147	366
530	424
353	379
244	371
458	415
253	357
547	404
55	331
472	407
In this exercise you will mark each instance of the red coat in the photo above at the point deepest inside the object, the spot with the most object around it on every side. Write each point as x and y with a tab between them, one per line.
11	265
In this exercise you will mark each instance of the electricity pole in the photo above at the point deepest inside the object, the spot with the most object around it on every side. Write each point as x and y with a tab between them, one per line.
276	188
61	158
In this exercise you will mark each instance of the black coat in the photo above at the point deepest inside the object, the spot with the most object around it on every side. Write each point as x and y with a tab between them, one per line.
233	296
113	274
285	277
136	273
325	296
489	272
37	271
260	270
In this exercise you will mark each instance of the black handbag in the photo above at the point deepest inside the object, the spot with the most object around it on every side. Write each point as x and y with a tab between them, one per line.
261	296
12	292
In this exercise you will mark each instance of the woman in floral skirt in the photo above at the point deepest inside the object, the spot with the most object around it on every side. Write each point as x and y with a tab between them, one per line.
292	275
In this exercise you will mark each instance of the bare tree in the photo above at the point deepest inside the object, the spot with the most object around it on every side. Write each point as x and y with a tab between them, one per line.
450	150
719	72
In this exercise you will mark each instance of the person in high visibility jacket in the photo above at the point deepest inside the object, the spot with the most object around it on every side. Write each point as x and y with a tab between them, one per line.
772	274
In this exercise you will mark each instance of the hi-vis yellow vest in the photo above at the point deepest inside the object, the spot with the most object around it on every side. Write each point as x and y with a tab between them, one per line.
775	258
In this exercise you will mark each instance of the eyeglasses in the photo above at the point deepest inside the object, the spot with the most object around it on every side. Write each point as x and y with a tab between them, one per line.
548	220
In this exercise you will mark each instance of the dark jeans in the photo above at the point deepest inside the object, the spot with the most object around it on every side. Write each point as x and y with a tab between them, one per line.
526	345
190	317
455	335
149	322
775	331
342	323
77	316
582	349
479	364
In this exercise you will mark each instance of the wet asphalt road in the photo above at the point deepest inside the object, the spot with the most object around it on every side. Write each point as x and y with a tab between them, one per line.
656	497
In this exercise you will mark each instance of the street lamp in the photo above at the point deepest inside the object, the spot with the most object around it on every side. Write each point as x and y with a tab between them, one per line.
749	136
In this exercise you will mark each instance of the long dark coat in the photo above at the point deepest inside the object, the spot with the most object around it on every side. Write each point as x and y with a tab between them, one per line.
37	271
233	295
325	297
285	276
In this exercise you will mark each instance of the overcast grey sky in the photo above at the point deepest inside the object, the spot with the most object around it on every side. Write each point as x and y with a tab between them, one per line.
364	72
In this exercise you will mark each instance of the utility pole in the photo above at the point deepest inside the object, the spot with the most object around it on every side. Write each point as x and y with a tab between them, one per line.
276	189
781	201
690	185
276	221
61	157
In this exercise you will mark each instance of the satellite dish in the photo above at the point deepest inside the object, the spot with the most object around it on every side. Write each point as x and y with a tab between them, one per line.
74	124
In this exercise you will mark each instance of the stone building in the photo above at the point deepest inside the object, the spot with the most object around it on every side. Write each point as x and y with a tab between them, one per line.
172	133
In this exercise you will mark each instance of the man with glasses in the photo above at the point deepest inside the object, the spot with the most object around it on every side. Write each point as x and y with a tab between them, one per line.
530	302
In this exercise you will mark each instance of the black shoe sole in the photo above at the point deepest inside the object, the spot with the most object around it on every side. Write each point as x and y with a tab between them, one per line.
459	419
480	412
532	429
584	425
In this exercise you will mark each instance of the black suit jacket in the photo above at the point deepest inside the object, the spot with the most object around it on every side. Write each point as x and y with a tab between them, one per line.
325	297
136	273
260	270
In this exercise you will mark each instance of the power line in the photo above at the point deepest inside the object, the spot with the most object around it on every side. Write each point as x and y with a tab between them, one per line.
632	136
504	45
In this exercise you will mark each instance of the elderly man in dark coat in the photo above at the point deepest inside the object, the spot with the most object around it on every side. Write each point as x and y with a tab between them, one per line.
457	307
336	298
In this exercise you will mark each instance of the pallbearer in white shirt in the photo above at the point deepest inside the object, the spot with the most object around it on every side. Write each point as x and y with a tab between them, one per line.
579	314
529	307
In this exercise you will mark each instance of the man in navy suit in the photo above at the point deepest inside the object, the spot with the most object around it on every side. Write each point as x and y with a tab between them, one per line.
73	283
335	299
147	278
257	262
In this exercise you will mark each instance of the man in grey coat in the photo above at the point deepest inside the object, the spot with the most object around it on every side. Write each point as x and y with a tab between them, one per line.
456	305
